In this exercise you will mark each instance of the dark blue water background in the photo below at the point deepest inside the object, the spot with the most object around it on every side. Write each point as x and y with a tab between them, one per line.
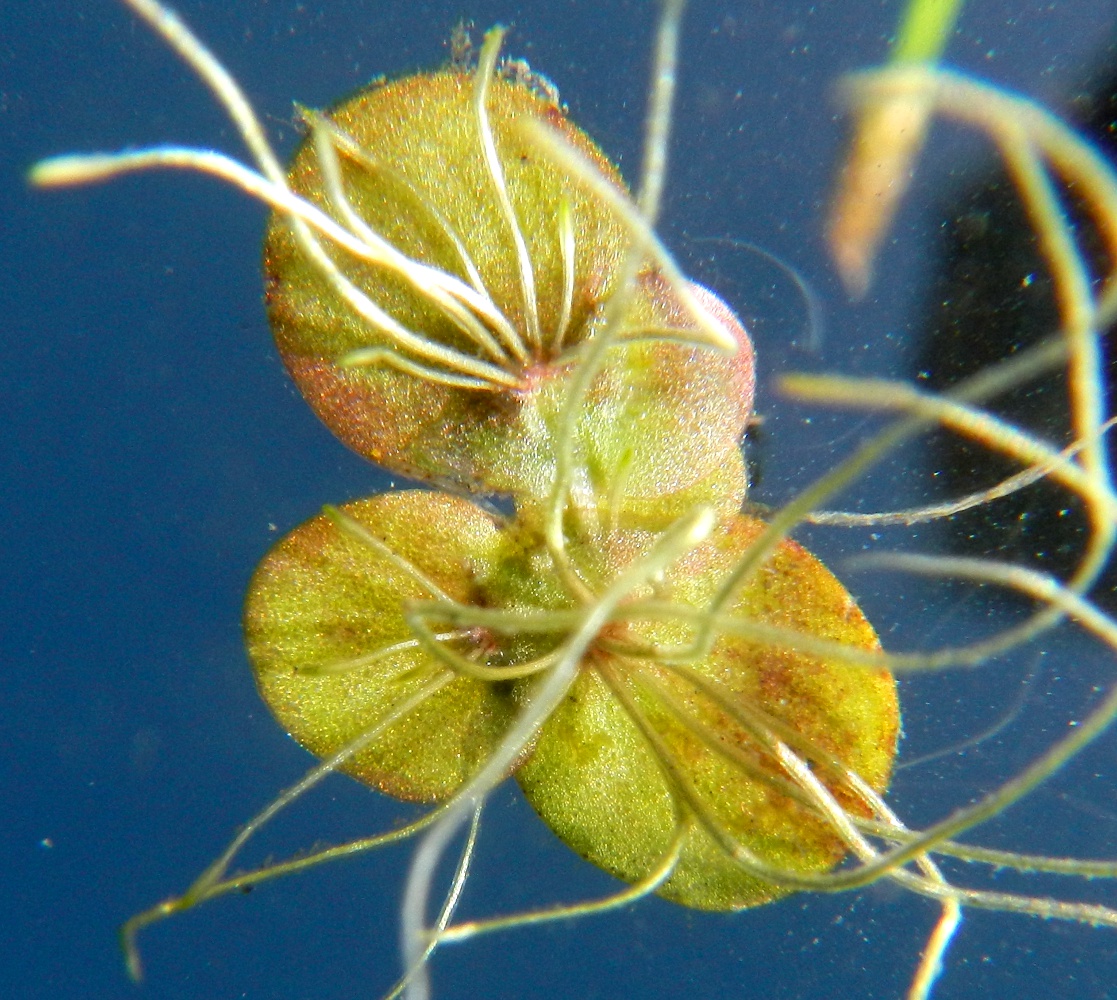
152	448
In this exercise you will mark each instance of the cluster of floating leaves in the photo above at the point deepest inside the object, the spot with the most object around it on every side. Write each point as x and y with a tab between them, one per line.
465	292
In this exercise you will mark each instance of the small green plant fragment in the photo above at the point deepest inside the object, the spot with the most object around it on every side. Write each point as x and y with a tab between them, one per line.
642	741
334	656
439	335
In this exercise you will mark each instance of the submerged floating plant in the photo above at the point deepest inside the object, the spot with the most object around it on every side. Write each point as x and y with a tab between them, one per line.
464	290
441	341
